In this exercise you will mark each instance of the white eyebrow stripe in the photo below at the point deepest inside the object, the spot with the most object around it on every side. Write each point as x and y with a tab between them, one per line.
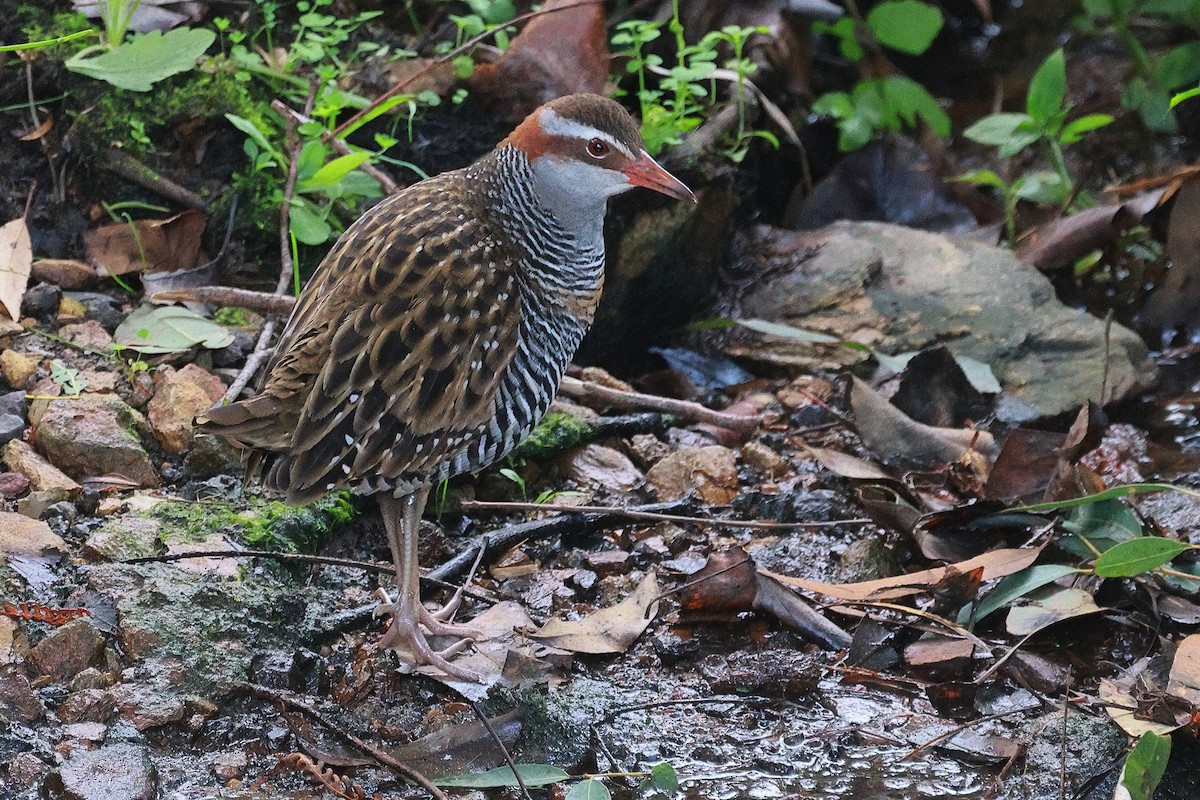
554	124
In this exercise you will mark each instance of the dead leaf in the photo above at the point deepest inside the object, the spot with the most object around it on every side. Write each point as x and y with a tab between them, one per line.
890	433
16	259
1185	671
38	132
609	630
1060	243
557	54
846	465
1122	706
152	245
996	564
1175	301
1045	607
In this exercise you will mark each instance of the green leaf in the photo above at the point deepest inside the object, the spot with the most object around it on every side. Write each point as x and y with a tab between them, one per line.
905	25
983	177
905	99
1047	88
590	789
1188	95
787	331
1073	131
1137	556
531	774
257	136
1145	765
664	778
337	169
1102	524
308	223
1016	585
1152	103
1042	186
997	129
1178	66
147	59
1124	490
169	329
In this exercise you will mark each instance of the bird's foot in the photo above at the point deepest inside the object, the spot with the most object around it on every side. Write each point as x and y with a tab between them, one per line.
406	638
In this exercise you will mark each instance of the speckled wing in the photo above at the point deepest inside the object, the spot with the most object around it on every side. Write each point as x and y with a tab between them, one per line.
392	360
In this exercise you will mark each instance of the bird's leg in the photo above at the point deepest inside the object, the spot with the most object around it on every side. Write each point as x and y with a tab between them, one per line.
402	518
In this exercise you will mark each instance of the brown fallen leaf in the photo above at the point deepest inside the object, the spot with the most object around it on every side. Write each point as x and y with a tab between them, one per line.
609	630
151	245
1176	300
557	53
1060	243
995	564
890	433
1185	671
16	259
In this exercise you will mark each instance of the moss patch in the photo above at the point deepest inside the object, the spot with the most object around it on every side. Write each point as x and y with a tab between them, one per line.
262	523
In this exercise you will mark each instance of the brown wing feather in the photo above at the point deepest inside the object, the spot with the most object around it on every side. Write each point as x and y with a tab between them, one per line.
391	362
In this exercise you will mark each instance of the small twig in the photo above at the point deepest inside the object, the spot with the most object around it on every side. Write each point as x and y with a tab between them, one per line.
300	558
1108	321
389	185
287	266
652	516
261	302
448	57
504	539
364	746
253	362
587	391
964	726
508	759
126	166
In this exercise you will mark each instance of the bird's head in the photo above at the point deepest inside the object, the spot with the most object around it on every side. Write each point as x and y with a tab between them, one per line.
586	148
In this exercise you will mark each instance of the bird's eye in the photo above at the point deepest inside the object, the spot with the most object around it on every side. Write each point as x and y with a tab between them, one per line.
597	148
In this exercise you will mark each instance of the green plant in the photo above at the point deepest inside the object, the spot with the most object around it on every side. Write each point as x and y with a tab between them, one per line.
67	378
1155	76
1044	124
514	476
888	102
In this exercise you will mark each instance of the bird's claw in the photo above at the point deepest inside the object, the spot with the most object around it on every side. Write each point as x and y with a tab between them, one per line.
408	641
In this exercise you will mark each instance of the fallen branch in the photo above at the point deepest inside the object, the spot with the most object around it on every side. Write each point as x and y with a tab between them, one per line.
374	752
126	166
260	302
588	392
644	513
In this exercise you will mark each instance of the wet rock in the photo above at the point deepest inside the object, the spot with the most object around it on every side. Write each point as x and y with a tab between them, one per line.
146	706
90	678
867	559
18	702
65	273
609	562
13	644
88	334
95	435
711	472
113	772
41	300
764	459
67	651
178	398
86	705
43	476
647	449
899	290
22	536
123	538
24	769
70	310
17	368
12	485
210	456
36	505
229	766
100	307
87	732
602	467
11	427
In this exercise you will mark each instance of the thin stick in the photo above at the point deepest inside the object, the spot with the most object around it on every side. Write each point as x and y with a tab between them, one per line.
287	267
508	759
398	767
653	516
389	185
437	62
262	302
588	391
126	166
